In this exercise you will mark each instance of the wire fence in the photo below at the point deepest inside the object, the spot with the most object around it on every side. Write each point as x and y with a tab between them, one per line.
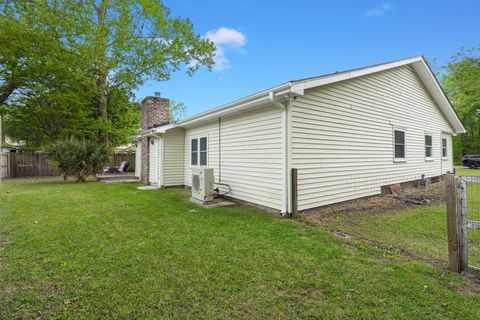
472	222
396	210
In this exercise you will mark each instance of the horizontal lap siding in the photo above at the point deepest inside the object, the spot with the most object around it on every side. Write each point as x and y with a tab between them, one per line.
138	159
174	147
342	136
251	154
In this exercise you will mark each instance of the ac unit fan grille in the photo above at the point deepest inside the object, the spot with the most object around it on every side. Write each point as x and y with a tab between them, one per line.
196	183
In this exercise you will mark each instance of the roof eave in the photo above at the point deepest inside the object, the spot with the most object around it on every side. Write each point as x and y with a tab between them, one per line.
253	100
439	95
301	85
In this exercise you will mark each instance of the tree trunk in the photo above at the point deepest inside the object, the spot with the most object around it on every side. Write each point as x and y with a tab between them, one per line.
102	105
102	81
6	90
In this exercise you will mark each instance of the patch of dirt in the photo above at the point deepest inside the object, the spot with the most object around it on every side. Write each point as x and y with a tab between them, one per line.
50	287
381	204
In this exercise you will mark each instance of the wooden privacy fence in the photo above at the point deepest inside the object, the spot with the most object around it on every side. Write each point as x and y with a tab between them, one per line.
117	158
3	165
463	223
28	164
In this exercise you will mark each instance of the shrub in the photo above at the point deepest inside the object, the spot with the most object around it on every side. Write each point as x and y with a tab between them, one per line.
78	157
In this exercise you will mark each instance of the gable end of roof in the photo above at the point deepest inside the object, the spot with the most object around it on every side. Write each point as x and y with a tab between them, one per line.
418	63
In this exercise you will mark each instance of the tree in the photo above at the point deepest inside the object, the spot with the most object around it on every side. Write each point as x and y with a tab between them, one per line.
50	116
177	110
461	82
38	48
45	87
131	41
69	67
125	115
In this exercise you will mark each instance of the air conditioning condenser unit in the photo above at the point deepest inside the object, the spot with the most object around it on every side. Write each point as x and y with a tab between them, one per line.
202	184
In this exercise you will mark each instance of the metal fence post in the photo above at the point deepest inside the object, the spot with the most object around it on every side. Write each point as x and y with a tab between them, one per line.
462	223
452	223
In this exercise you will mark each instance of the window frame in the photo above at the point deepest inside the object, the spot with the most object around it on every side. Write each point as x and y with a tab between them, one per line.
404	159
444	148
199	151
425	146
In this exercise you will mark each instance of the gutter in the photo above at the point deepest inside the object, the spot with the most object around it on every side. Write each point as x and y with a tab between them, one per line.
235	106
283	109
149	133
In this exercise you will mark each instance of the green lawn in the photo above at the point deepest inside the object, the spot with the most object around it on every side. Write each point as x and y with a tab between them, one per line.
421	231
467	172
473	209
111	251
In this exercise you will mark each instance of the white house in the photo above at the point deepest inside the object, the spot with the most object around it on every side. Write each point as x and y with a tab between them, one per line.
348	134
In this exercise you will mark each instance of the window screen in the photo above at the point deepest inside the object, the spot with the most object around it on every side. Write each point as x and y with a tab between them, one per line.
199	151
428	146
203	151
194	152
444	148
399	137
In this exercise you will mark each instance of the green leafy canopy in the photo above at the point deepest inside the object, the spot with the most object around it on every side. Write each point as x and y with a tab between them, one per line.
69	68
461	81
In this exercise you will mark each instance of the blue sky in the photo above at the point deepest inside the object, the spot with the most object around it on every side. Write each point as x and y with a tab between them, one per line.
264	43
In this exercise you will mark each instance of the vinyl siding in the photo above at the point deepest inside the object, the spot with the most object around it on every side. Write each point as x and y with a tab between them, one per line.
173	159
250	148
342	136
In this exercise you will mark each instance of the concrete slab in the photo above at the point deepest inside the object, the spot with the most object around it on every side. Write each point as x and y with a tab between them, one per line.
148	188
120	181
216	203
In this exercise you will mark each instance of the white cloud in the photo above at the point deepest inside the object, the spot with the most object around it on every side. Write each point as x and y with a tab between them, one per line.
225	39
227	36
379	10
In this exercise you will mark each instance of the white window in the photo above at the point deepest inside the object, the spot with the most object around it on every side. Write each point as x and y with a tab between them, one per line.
198	151
444	148
399	144
428	147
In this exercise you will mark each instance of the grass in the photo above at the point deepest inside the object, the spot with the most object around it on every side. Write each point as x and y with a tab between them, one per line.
467	172
421	231
473	212
111	251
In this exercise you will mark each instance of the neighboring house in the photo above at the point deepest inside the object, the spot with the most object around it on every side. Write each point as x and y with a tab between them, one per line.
348	134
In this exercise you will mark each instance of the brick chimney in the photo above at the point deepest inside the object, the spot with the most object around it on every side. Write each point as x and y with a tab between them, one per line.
155	111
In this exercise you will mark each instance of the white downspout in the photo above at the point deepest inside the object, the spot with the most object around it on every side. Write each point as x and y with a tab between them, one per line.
162	161
160	171
276	103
